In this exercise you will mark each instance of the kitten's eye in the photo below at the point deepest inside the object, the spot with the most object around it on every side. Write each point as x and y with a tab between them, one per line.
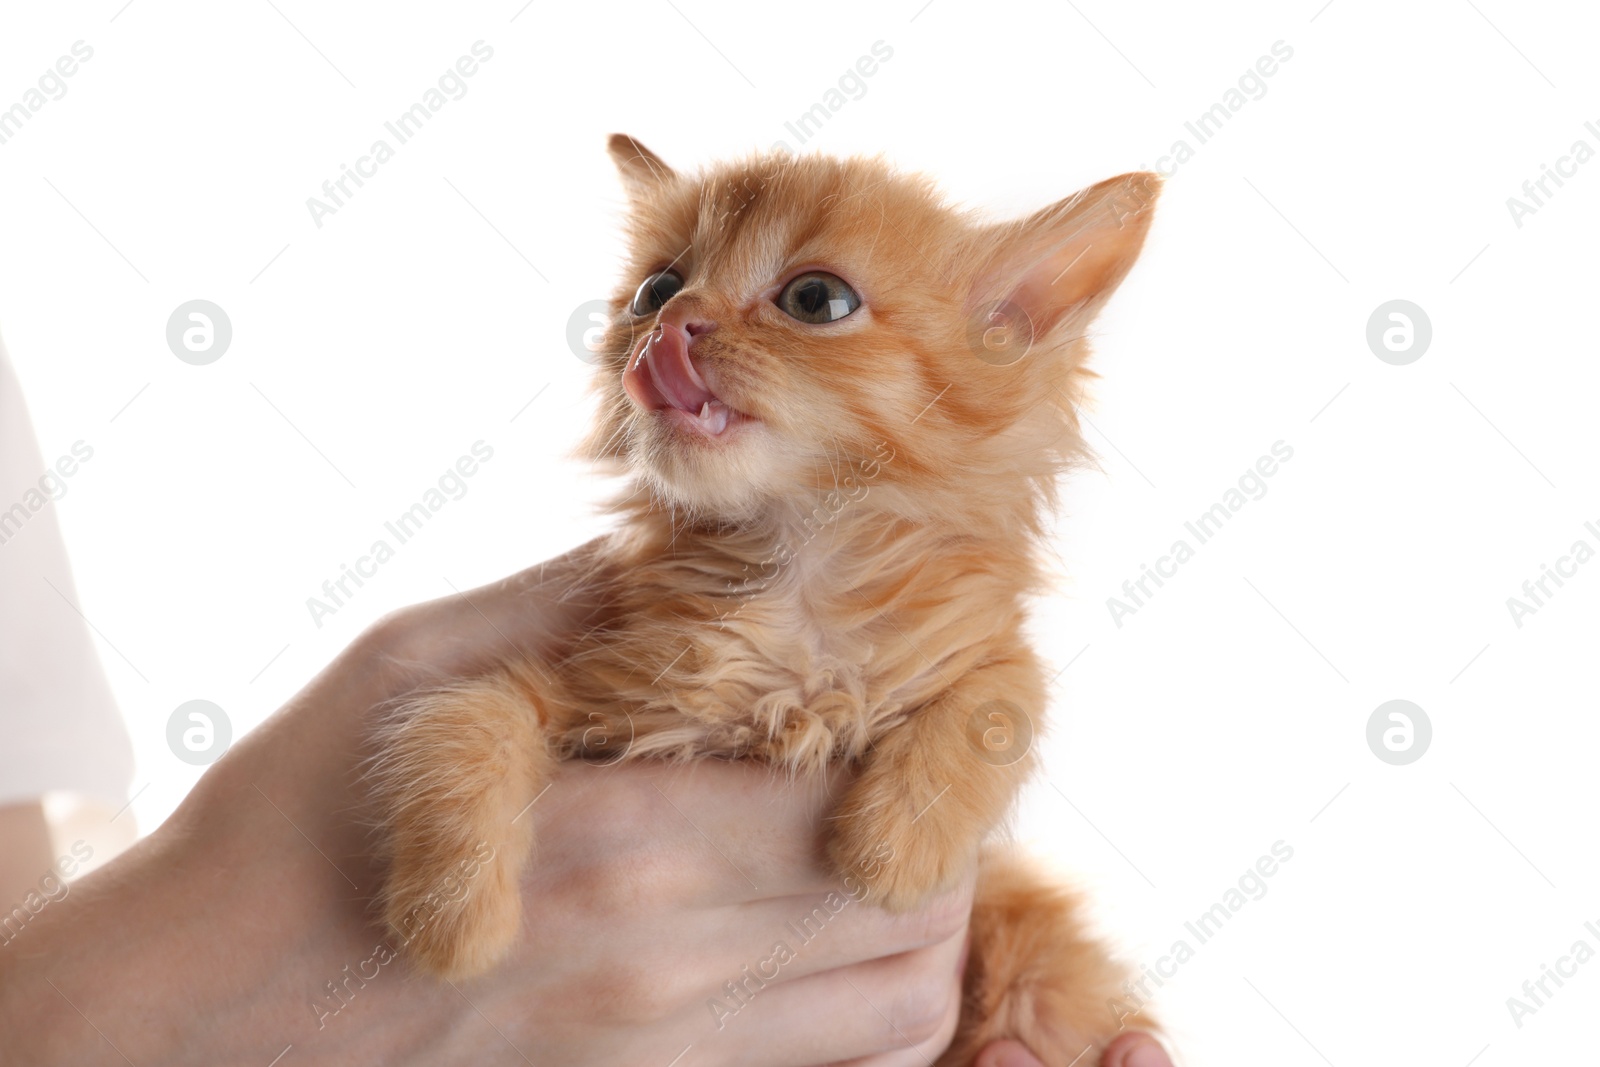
655	291
818	297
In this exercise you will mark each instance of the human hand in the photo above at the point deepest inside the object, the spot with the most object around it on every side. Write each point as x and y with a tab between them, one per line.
648	936
239	931
1133	1049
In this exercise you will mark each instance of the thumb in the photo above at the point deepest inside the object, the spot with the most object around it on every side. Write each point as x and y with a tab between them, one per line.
1007	1054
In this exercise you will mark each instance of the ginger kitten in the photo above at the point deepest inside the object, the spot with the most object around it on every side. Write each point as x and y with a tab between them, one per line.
844	407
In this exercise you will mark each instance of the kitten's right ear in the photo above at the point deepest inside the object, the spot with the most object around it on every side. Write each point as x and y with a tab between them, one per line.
642	170
1060	265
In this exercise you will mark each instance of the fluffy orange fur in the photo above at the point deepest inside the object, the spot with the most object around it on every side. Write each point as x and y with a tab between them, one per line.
843	580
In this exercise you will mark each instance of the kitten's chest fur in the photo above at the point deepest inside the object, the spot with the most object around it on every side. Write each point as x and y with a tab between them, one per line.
795	645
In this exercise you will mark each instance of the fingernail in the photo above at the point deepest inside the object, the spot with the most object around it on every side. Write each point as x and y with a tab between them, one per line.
1148	1054
1012	1055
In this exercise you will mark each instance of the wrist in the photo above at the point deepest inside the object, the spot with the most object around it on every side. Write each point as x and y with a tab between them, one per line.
214	940
185	951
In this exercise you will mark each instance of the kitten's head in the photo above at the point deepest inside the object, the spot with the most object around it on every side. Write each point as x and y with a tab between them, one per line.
790	326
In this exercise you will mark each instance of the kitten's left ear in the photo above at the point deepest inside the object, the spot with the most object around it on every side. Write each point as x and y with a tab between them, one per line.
641	169
1060	265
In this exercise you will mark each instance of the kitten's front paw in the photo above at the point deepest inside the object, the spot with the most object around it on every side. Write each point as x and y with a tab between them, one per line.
453	920
896	848
457	769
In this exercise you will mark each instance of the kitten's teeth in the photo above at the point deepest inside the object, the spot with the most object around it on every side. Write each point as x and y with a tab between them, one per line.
714	416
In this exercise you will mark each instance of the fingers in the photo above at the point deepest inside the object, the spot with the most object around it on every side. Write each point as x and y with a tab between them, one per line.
901	1009
699	852
1136	1049
1007	1054
730	832
765	827
734	834
838	931
921	1054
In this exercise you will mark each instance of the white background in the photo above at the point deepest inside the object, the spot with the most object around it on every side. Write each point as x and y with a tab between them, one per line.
1227	714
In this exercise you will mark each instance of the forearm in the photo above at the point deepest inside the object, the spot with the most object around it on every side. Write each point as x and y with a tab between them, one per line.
190	949
167	959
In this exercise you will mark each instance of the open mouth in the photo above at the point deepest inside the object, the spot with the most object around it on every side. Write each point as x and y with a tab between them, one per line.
663	377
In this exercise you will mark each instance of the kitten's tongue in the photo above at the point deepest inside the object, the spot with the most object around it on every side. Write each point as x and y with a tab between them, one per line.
664	376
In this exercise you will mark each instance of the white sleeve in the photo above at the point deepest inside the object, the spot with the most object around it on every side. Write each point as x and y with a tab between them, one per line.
59	726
